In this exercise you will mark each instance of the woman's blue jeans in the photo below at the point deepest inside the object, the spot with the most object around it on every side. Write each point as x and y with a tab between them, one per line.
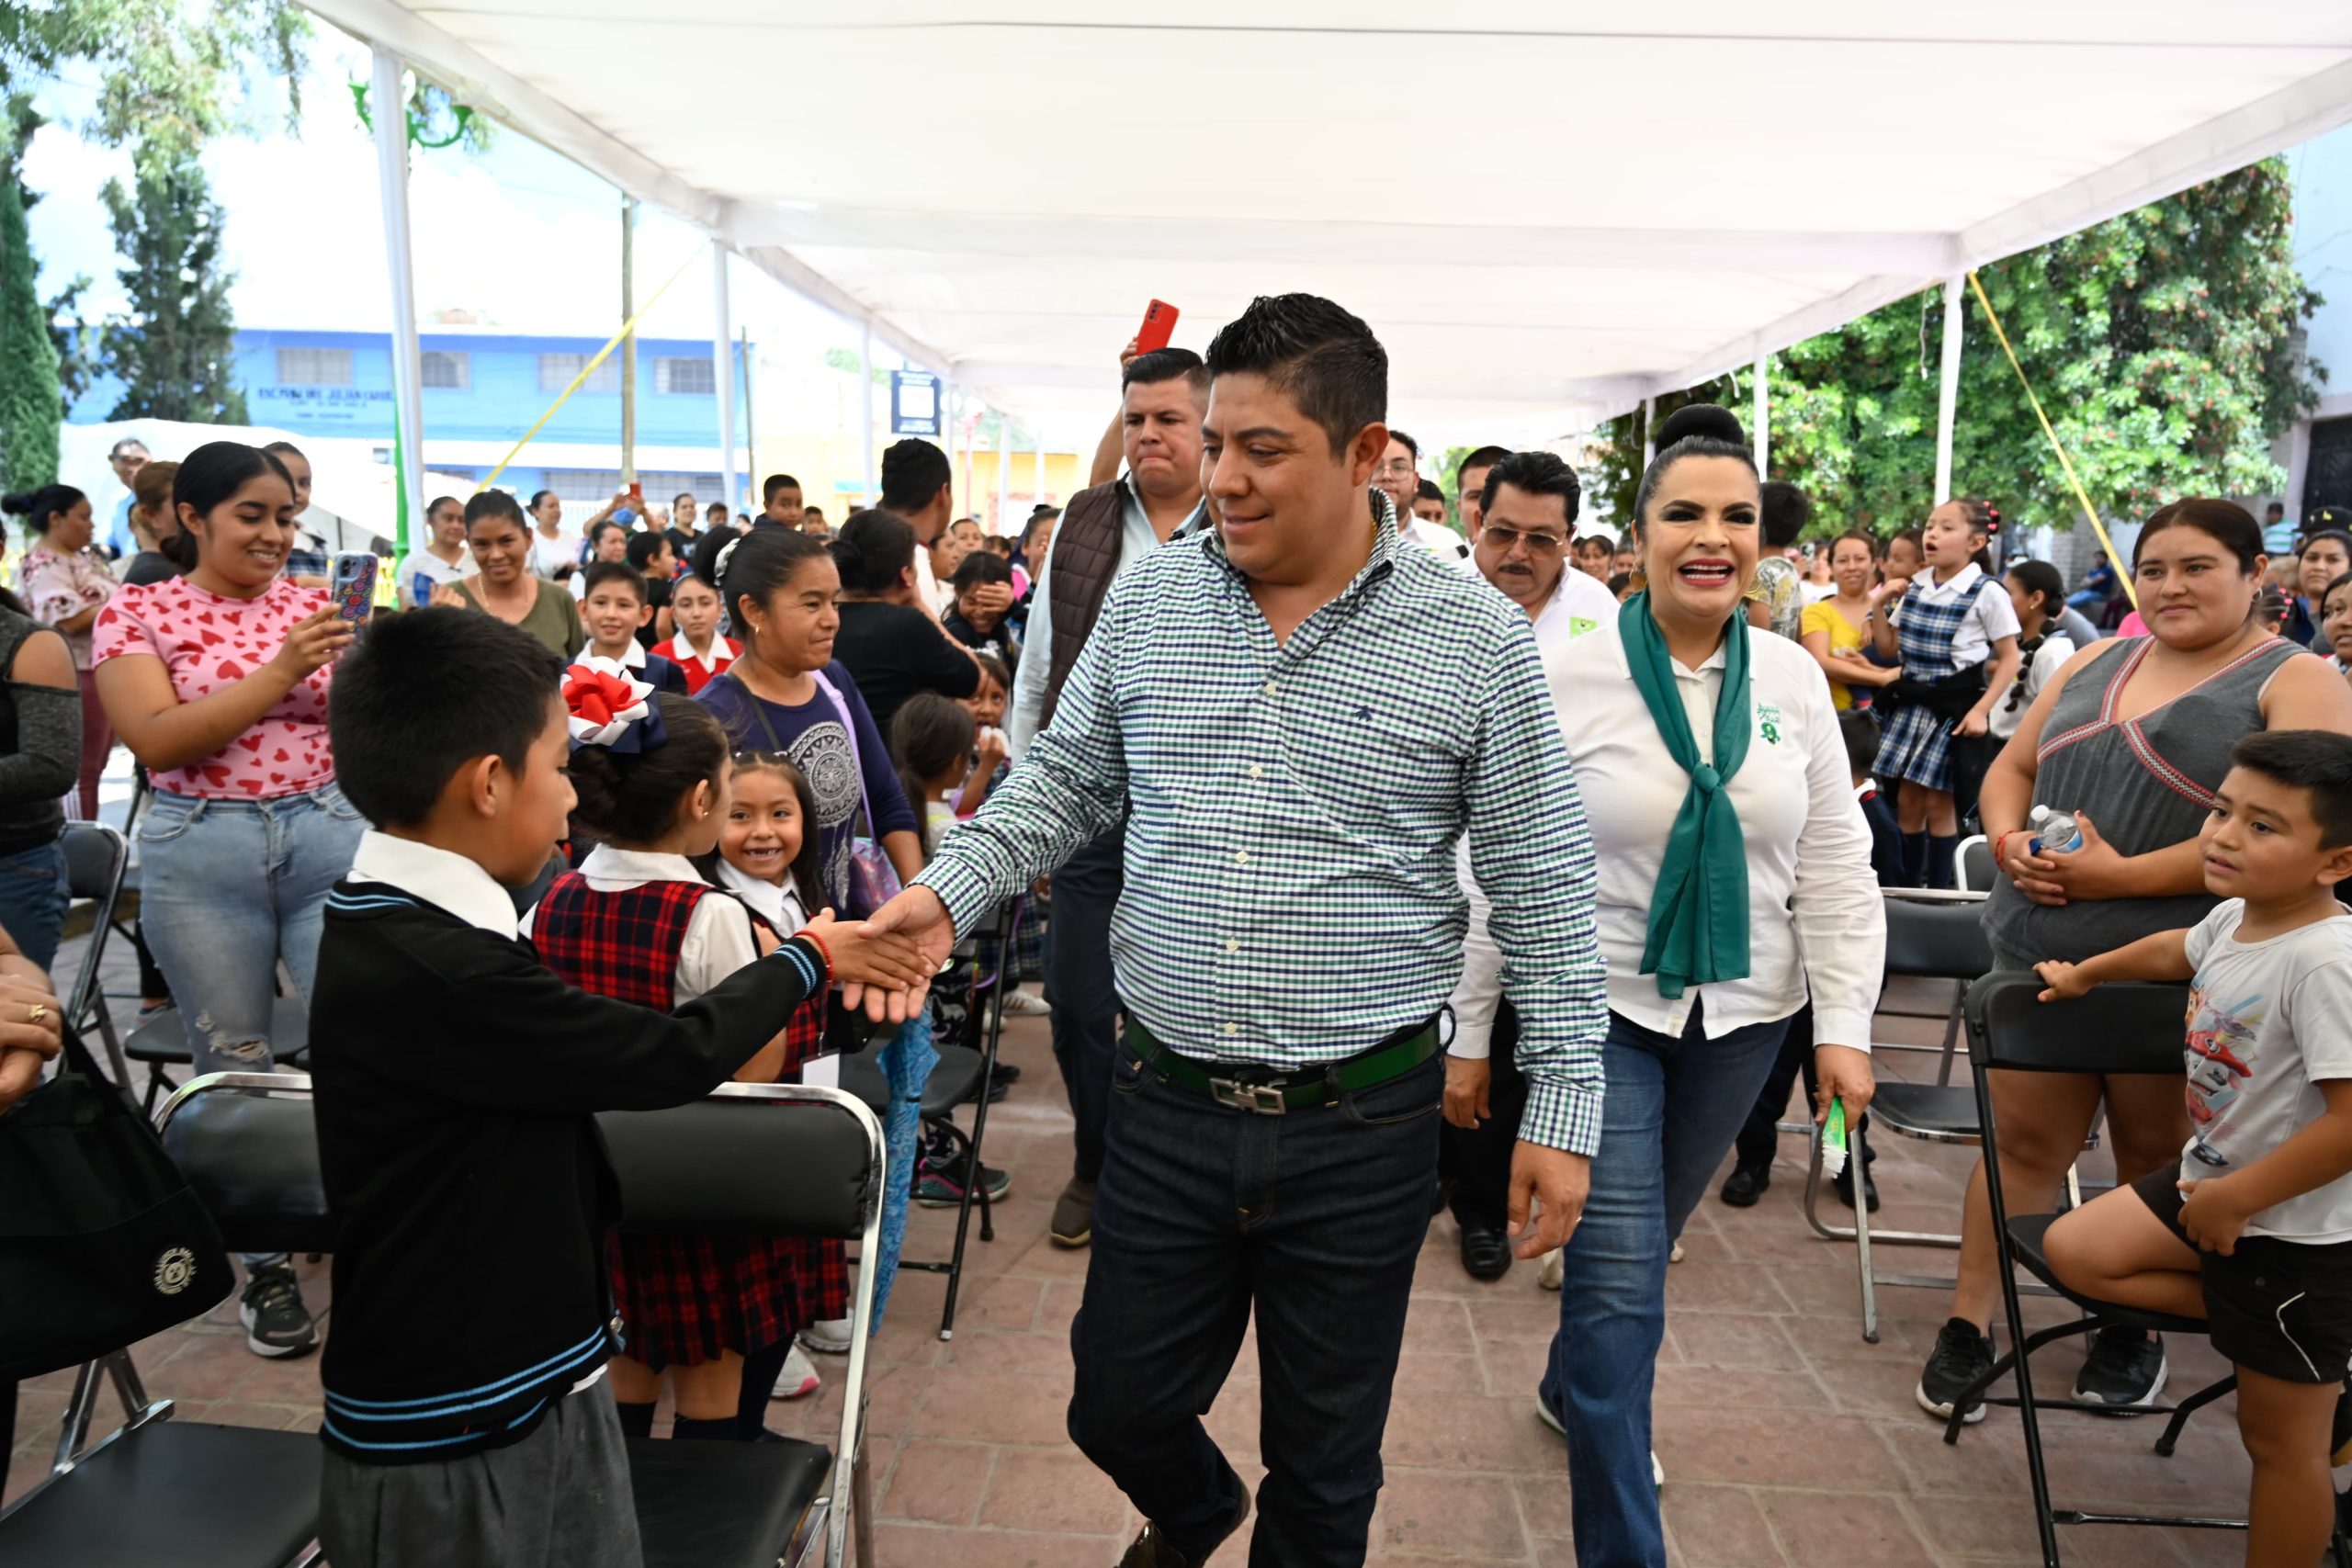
227	890
1671	1110
33	900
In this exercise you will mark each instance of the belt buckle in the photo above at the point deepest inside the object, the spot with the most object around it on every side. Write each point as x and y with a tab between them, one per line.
1261	1099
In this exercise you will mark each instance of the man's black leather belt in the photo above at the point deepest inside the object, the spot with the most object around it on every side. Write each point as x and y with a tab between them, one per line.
1277	1094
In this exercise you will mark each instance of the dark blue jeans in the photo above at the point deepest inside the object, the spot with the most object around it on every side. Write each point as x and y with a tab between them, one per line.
1315	1218
33	901
1078	986
1671	1109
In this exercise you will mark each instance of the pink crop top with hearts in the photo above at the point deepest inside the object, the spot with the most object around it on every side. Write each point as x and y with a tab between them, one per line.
208	643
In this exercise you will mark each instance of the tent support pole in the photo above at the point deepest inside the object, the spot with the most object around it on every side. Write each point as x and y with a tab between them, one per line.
1649	420
629	342
1764	416
390	106
1003	469
1948	388
722	369
1037	482
869	484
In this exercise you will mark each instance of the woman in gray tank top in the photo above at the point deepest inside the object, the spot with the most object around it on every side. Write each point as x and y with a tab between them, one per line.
2133	737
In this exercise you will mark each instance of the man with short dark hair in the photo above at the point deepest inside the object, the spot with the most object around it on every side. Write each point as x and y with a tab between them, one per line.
1428	503
1399	479
126	456
919	484
1297	714
1105	532
1470	483
1530	505
779	502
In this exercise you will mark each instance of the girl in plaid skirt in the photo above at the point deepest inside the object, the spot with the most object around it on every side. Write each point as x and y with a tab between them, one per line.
1949	626
637	921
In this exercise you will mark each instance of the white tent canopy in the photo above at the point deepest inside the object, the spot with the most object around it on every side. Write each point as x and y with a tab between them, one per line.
1546	210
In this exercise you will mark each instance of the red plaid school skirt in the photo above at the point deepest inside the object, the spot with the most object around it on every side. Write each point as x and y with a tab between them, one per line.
684	1300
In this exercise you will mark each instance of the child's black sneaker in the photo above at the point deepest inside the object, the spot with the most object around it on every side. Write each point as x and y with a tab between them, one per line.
2125	1369
1962	1355
277	1323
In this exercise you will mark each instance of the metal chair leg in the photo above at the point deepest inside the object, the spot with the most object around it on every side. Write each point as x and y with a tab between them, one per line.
2190	1406
1862	1246
1951	1032
861	1516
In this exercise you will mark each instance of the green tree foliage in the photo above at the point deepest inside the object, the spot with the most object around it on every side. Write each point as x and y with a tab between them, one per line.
2161	343
31	404
172	72
173	349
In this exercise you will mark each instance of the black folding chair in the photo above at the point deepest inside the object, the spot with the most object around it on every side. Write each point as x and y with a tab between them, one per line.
161	1041
757	1159
2116	1030
966	1072
187	1492
1973	866
1941	940
96	858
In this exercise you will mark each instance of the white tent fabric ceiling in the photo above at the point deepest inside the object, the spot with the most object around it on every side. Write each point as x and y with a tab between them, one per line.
1545	209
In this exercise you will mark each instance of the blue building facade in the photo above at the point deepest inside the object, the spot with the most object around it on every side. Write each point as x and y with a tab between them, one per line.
483	389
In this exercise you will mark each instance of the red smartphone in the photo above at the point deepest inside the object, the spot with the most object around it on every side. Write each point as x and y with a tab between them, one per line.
1159	326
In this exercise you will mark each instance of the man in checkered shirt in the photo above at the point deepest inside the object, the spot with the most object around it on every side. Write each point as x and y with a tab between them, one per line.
1297	714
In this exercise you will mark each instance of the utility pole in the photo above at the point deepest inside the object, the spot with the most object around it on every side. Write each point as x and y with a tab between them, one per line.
629	342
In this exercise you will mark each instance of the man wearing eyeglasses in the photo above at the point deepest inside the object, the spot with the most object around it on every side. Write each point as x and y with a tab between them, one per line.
1400	474
1528	510
1527	507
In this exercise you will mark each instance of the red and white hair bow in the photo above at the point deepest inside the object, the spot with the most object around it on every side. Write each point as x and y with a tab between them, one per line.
606	705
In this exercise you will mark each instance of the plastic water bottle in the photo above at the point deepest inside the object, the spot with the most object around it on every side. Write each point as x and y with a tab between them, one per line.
2054	832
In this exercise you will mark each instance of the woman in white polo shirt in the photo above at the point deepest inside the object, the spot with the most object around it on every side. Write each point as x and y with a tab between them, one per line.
1734	882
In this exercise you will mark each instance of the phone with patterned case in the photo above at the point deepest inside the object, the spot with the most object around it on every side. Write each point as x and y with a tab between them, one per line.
352	585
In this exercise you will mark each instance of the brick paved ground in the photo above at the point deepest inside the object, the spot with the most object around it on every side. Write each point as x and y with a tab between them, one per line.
1786	1440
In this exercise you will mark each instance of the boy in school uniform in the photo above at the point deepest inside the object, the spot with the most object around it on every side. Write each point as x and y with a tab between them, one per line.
2253	1230
467	1420
613	607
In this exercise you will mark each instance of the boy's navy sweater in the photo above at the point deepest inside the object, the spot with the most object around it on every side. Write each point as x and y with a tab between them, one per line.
456	1081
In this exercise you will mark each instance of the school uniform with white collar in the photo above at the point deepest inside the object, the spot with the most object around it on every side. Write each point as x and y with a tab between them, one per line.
646	928
462	1424
1946	632
1714	940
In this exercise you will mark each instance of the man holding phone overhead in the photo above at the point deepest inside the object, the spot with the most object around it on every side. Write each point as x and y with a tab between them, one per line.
1104	532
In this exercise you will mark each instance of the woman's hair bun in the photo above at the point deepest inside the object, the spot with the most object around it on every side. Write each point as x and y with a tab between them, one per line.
1709	420
17	505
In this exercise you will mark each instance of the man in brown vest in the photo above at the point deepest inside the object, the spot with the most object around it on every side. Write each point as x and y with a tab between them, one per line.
1104	530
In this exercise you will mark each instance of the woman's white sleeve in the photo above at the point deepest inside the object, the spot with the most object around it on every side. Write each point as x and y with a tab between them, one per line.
1480	991
1840	915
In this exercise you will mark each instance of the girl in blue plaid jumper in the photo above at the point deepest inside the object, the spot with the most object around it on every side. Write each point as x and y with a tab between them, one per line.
637	921
1955	632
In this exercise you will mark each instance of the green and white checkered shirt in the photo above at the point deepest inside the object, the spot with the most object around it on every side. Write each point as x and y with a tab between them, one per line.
1292	814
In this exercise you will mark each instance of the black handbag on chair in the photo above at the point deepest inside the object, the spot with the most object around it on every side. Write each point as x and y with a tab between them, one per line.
101	1242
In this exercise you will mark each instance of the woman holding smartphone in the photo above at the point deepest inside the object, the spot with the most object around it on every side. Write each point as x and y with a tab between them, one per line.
218	681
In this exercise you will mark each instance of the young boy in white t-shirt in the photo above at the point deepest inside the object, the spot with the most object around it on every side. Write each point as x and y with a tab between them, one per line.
2254	1231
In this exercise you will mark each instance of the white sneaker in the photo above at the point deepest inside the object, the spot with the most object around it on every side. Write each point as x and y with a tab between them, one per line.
829	1337
1026	1004
798	1379
1676	1254
1658	1472
1554	1268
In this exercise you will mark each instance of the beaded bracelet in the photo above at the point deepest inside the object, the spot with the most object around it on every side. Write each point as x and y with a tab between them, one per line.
813	939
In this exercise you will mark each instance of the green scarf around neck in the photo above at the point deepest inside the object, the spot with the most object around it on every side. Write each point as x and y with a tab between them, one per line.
1698	927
